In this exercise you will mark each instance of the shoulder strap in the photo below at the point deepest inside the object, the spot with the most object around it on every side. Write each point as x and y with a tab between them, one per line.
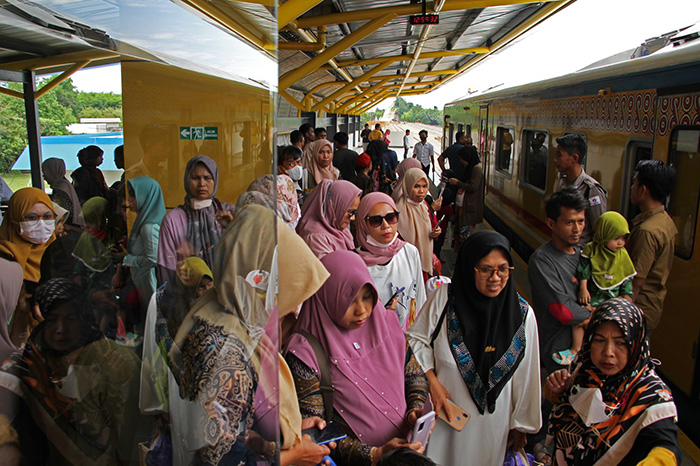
324	366
435	333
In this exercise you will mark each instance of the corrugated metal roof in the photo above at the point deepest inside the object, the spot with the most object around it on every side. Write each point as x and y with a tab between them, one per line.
489	25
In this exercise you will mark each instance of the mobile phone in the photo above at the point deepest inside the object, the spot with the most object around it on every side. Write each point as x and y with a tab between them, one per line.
332	433
396	294
459	416
441	219
422	428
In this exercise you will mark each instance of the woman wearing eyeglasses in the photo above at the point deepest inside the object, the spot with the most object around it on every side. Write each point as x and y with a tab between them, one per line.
326	216
477	342
393	264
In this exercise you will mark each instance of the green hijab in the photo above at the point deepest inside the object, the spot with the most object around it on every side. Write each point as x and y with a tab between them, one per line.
92	249
609	269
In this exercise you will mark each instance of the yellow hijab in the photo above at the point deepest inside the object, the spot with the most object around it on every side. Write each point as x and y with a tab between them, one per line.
12	246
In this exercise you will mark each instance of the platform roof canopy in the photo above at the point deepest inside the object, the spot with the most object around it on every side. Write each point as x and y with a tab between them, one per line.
345	56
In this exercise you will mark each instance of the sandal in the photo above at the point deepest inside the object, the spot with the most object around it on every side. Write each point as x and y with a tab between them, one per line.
564	358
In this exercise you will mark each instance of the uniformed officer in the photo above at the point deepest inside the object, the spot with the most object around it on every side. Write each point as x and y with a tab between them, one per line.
569	160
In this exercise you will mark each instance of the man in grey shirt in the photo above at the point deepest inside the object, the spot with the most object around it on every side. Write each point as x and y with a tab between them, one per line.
552	275
569	160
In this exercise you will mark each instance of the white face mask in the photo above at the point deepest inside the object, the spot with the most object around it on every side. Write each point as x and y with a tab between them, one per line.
295	173
377	244
37	232
200	203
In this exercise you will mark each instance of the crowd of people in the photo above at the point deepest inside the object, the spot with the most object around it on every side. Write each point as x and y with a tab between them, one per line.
232	333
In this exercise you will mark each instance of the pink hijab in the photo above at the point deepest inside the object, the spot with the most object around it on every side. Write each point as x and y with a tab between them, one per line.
401	170
370	253
321	215
311	161
367	363
386	136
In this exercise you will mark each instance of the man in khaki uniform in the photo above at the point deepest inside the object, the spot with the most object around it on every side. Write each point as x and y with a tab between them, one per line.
569	160
652	239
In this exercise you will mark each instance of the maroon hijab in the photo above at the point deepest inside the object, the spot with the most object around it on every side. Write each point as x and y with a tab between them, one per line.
367	363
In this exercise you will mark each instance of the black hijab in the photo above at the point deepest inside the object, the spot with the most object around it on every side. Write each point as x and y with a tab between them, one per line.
487	322
470	155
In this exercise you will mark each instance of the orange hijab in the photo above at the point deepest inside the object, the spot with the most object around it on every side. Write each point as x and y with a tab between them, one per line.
12	246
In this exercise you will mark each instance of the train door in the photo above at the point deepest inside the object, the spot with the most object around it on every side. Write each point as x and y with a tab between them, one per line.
636	151
483	139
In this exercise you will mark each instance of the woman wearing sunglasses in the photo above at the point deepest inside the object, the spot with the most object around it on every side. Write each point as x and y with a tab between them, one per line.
477	342
393	264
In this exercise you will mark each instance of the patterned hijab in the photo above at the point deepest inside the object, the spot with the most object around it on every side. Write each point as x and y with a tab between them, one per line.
636	396
311	163
12	245
283	200
610	268
367	364
368	250
486	335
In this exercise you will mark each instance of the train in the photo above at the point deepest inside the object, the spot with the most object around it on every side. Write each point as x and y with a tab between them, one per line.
639	108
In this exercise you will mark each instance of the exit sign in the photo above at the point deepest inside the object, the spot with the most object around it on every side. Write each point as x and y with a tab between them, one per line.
424	19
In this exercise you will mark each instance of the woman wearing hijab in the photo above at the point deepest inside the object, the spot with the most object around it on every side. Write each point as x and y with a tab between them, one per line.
11	282
54	171
414	223
283	200
58	261
215	354
318	164
394	265
194	228
75	389
94	263
141	255
386	137
401	170
88	180
368	360
613	409
477	342
27	230
472	184
326	216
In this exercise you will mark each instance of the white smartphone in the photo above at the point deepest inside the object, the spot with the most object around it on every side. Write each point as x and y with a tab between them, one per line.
422	429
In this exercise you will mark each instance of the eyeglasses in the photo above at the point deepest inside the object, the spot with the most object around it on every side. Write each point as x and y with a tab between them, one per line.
34	218
485	272
352	213
377	220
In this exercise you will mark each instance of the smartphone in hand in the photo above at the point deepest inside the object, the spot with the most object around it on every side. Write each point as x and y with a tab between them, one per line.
332	433
422	429
458	415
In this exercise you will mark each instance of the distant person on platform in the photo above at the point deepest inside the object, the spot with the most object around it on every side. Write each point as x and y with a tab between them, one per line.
406	143
344	158
569	160
452	155
365	136
363	167
297	139
320	133
424	152
88	180
652	238
376	133
307	131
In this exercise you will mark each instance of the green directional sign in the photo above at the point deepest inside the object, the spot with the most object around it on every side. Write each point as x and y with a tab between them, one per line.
199	132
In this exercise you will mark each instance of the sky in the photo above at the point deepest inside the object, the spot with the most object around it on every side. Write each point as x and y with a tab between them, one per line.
585	32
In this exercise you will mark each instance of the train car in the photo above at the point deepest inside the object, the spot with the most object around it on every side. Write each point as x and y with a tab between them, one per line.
642	108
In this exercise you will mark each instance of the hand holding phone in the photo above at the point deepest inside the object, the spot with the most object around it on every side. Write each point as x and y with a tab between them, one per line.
332	433
458	417
422	429
395	294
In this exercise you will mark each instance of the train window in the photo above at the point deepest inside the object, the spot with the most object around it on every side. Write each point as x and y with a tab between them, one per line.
468	131
535	153
504	149
451	139
636	151
684	154
460	128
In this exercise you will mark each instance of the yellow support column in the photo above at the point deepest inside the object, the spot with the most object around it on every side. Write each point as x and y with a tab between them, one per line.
292	9
331	52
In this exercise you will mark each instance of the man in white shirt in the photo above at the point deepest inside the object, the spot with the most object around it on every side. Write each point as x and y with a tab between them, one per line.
424	152
406	143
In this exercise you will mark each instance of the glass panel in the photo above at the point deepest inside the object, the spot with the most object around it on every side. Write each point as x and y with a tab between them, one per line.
684	153
504	149
535	158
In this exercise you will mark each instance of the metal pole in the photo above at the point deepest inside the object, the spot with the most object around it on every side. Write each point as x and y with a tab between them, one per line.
33	130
